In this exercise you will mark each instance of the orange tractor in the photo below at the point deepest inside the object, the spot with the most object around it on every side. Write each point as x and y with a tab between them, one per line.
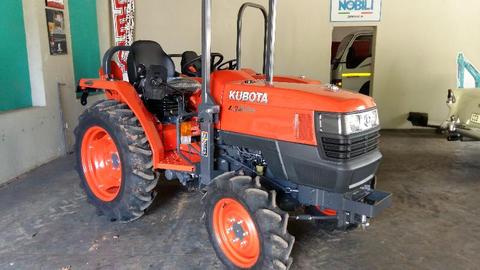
262	149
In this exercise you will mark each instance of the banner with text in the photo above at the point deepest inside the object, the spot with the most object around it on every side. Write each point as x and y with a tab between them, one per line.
123	14
356	10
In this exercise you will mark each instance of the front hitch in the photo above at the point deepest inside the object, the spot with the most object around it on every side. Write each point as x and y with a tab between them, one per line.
351	208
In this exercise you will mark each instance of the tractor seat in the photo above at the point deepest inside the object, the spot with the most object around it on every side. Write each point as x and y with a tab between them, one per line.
152	72
186	85
144	54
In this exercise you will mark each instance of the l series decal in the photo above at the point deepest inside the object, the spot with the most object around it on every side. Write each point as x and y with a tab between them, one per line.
254	97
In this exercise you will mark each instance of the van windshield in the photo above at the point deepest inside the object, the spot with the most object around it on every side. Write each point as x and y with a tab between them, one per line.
343	45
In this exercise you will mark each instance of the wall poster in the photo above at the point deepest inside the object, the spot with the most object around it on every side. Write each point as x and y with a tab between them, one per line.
57	38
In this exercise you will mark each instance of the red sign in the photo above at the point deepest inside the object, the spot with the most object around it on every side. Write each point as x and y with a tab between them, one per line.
55	4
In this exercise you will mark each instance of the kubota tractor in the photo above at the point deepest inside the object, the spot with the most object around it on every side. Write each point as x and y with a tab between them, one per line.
260	148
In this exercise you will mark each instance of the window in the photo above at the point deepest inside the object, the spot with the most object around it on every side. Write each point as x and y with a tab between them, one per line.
15	89
360	50
343	45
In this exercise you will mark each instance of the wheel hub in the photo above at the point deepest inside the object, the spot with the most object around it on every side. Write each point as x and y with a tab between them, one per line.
236	233
238	230
101	163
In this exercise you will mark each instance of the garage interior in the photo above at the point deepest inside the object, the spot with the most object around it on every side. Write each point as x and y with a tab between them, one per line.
48	224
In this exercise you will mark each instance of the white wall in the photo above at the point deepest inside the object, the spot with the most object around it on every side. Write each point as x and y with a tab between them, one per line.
416	49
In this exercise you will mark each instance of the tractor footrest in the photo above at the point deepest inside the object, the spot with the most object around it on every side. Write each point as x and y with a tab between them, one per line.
173	161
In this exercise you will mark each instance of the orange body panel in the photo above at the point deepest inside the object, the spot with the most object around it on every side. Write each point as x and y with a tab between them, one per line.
281	78
282	111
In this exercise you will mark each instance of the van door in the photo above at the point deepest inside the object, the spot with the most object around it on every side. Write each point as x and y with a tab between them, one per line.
356	71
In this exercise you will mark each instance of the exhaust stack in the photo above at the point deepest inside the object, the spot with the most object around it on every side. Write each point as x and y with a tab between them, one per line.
272	24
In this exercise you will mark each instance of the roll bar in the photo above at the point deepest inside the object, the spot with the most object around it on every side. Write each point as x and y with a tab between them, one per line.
207	40
107	58
241	12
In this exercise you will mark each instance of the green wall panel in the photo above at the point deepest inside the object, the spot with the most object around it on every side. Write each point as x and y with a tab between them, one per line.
15	89
85	48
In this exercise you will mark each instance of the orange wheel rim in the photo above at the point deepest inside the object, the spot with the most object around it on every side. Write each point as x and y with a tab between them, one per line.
236	233
101	163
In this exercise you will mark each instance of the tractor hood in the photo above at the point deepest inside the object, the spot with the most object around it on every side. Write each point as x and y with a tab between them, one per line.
315	97
282	111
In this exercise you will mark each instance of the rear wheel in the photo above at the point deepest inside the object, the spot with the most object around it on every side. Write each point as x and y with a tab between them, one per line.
245	226
114	161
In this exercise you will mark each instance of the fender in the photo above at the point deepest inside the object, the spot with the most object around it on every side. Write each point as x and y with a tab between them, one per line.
124	92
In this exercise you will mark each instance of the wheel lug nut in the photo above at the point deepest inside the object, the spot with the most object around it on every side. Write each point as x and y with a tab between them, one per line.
245	233
243	243
236	240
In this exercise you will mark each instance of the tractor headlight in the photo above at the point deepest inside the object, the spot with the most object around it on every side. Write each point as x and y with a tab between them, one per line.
346	124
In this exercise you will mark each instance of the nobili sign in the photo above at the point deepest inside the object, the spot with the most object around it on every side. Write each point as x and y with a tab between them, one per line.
355	10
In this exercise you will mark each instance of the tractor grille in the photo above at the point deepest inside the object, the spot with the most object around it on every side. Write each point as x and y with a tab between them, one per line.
349	147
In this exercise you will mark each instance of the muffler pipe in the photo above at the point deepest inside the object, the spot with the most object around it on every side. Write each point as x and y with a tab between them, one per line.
272	23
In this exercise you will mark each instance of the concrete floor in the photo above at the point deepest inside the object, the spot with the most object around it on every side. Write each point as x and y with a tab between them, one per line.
433	224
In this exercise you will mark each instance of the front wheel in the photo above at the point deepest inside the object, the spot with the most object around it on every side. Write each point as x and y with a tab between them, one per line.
245	226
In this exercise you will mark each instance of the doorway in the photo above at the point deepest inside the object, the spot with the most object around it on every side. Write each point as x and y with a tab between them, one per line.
352	58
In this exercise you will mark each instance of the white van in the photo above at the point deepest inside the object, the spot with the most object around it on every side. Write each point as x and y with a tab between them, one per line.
352	65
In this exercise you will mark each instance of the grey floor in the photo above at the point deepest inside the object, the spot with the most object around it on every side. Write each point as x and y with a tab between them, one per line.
434	223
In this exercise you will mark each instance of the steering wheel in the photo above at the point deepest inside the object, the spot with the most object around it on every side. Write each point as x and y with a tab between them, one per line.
217	59
229	65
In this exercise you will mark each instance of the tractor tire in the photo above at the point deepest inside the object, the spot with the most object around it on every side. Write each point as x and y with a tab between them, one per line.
114	161
245	226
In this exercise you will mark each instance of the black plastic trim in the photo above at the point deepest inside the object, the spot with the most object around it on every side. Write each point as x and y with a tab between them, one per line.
304	164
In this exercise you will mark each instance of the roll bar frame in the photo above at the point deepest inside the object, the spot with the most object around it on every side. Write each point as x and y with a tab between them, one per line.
107	58
241	12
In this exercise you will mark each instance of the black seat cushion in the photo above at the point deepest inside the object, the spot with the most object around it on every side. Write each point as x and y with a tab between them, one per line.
148	53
